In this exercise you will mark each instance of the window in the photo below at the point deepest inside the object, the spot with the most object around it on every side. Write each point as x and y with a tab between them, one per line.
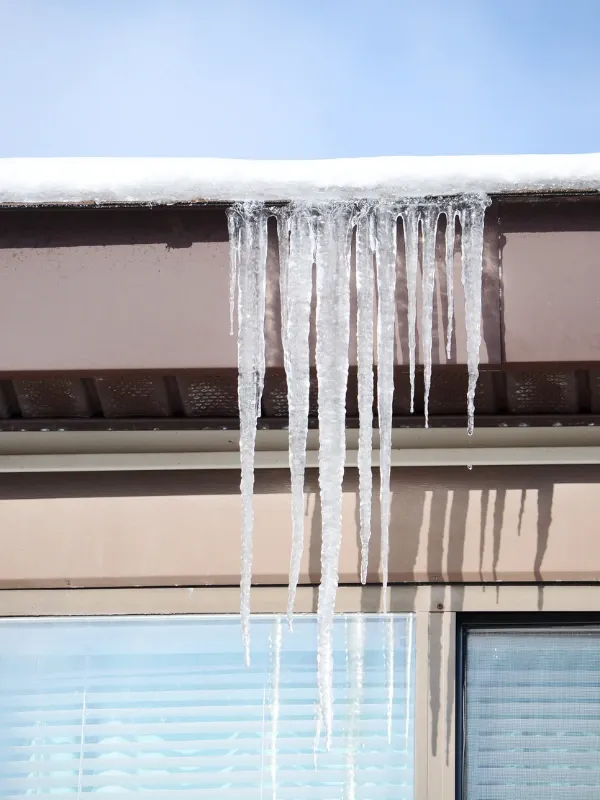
531	725
165	707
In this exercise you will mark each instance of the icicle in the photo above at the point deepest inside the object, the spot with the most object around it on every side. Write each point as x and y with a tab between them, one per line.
334	228
296	296
355	664
472	216
233	225
277	635
386	220
364	353
450	235
389	674
317	742
325	232
251	373
429	222
411	243
283	239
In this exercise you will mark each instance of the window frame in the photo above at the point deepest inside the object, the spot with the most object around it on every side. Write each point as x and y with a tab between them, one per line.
178	601
533	620
439	614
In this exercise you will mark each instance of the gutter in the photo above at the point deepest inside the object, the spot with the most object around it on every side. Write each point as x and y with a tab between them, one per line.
215	450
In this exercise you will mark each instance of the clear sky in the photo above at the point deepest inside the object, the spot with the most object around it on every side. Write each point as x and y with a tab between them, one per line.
298	78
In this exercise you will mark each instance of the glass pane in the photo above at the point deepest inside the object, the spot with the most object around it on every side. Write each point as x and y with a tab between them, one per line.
165	707
532	716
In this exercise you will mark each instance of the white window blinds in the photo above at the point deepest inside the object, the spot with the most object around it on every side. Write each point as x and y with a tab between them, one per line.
532	714
164	707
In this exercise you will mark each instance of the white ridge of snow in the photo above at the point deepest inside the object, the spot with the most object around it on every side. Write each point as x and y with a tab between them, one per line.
334	224
364	358
32	181
251	275
386	222
296	260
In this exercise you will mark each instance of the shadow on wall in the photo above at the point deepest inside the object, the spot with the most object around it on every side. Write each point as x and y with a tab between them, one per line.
432	540
461	526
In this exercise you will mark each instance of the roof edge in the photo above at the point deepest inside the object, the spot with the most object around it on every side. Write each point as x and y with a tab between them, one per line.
169	181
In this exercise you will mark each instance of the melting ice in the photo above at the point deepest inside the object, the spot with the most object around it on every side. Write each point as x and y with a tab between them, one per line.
248	267
320	236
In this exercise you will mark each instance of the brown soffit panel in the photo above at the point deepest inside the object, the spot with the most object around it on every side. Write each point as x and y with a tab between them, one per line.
88	289
563	394
91	289
490	524
550	256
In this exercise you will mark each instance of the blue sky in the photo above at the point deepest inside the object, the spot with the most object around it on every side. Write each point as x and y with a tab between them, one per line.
298	78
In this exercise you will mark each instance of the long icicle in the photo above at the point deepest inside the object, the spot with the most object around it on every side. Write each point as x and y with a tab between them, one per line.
472	218
234	228
429	222
251	373
386	222
296	305
364	356
334	228
411	244
449	259
283	241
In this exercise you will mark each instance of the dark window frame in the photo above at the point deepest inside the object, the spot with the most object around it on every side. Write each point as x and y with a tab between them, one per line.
498	620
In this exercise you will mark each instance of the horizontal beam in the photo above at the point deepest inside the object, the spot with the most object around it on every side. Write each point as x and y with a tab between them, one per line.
437	599
265	459
199	450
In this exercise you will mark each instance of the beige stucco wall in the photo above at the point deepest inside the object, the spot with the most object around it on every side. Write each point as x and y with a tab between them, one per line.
448	524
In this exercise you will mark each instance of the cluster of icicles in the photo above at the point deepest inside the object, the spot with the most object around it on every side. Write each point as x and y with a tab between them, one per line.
320	235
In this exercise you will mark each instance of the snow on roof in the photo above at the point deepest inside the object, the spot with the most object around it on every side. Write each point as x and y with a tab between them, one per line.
31	181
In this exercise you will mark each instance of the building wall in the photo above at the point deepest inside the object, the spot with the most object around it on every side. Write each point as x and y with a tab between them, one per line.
524	524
